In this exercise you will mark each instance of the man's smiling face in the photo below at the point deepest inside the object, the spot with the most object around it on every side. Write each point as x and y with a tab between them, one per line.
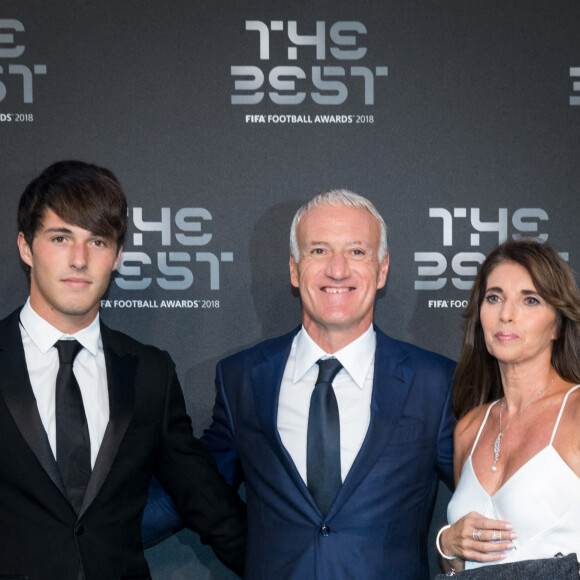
338	273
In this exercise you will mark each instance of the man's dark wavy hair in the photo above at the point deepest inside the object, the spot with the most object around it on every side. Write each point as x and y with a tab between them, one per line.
81	194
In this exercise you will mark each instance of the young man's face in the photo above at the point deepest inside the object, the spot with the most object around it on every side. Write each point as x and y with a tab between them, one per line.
70	269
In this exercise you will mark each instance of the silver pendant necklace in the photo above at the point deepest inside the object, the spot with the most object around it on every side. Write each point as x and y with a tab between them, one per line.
497	442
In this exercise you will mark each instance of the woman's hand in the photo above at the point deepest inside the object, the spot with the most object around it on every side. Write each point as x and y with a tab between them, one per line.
475	537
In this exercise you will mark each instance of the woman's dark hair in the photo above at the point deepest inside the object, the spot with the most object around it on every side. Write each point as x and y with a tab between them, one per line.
477	378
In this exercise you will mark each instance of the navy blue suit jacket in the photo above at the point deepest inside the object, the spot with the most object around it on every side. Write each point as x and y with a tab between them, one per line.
380	518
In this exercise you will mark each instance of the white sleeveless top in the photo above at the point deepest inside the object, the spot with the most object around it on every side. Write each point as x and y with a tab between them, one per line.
541	499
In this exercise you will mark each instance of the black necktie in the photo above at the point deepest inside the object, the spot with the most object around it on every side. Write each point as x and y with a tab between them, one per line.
73	447
323	447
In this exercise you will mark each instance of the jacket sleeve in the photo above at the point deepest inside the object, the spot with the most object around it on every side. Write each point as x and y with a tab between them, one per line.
206	503
160	517
219	438
446	428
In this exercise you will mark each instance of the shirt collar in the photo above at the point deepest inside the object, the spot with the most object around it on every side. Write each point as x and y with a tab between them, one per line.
44	335
356	357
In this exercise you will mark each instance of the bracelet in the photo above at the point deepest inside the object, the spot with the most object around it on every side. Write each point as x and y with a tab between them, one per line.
438	543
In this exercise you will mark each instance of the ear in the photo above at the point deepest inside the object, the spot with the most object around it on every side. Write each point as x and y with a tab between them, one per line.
24	249
118	258
294	274
383	271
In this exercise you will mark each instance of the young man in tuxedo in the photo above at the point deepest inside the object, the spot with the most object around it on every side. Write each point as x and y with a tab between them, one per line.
82	434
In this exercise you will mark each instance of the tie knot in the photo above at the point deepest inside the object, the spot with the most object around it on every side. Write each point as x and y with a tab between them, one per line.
328	368
67	350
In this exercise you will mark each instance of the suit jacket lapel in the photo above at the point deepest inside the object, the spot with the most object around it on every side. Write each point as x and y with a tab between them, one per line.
391	384
266	381
17	391
121	369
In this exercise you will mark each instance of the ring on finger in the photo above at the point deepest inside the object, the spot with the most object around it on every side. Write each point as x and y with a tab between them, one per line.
496	535
476	535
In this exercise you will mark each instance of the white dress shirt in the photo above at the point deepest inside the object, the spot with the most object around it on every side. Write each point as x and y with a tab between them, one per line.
352	386
38	338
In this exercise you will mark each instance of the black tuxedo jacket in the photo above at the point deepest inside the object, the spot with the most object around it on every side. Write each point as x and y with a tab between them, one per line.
149	433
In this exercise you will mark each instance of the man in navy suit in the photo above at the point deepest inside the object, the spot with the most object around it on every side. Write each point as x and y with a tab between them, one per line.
394	413
396	422
123	415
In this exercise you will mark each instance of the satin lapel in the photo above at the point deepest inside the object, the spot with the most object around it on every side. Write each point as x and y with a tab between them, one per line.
19	398
391	385
266	381
121	371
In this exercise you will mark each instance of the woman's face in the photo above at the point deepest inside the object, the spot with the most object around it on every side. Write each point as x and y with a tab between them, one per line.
518	324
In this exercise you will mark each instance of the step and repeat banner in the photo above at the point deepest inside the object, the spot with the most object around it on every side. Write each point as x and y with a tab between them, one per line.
459	119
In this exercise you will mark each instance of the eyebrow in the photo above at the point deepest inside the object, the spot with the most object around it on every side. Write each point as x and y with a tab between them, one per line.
68	231
57	231
348	244
524	292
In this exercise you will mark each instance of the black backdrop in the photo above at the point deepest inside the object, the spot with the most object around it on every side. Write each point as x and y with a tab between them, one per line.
459	119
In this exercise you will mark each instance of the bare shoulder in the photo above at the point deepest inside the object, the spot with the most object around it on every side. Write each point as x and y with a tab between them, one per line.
567	440
574	399
468	426
466	431
571	415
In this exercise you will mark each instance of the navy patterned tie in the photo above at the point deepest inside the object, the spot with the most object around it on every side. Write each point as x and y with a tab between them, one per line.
323	446
73	447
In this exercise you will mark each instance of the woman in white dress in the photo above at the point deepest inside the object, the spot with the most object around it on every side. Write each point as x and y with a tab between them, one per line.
517	400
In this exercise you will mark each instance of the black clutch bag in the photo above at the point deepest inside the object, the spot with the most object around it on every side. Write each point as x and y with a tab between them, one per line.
557	568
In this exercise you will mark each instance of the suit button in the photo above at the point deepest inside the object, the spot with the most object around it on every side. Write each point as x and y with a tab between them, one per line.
80	530
324	531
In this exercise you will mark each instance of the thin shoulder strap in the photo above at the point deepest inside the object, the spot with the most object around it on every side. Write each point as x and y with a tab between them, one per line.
482	425
560	413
